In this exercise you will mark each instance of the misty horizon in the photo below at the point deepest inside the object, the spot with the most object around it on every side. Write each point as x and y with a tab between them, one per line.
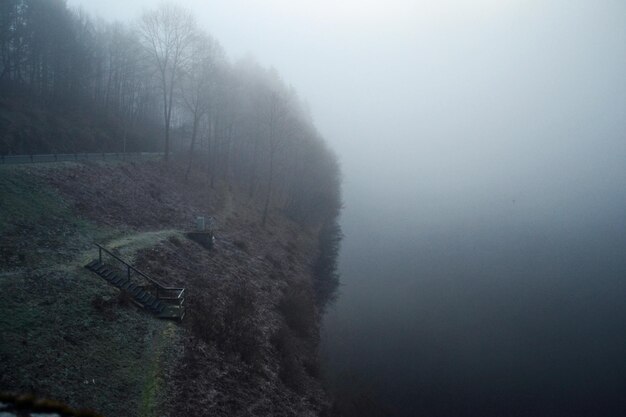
517	97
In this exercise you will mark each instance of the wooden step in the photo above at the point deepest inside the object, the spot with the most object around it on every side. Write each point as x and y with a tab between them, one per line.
117	280
92	264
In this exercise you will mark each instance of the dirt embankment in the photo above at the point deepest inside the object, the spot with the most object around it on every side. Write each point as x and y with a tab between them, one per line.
248	344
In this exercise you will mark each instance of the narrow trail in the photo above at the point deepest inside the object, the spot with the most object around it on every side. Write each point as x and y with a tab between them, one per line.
128	245
155	375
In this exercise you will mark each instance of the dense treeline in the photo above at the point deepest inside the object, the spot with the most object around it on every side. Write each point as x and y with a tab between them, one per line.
161	83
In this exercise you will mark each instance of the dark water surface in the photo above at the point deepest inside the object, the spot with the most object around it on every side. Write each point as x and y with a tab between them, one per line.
509	310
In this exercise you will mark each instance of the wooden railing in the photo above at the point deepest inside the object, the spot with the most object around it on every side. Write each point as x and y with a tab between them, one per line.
163	292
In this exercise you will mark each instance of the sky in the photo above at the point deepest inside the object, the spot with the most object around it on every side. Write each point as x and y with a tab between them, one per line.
452	96
455	107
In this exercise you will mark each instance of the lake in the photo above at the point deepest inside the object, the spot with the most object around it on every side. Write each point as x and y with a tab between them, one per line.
494	305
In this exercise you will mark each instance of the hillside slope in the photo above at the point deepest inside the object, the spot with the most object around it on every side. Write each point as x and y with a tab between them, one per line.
248	345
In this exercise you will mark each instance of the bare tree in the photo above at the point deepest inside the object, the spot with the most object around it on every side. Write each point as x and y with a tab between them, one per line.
199	83
168	33
129	83
280	126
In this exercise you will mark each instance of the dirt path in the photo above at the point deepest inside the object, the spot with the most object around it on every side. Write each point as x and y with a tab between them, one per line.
128	245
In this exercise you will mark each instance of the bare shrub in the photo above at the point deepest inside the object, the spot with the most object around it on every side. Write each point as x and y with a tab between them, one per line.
273	261
326	276
104	306
175	241
231	325
291	372
124	299
298	308
241	245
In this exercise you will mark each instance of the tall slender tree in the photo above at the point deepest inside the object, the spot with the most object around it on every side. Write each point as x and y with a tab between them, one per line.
168	34
198	85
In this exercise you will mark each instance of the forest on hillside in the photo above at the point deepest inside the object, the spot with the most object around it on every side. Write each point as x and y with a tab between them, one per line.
71	83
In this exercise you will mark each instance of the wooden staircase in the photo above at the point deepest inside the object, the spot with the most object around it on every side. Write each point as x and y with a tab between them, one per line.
160	300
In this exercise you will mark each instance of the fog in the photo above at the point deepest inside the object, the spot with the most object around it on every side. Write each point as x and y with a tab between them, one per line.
483	147
453	97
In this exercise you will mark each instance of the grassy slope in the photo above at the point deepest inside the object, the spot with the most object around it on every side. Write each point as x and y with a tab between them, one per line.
62	334
67	334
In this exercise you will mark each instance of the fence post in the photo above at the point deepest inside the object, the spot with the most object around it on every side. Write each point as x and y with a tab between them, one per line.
100	254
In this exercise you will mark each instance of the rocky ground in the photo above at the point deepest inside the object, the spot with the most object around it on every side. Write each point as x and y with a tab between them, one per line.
248	343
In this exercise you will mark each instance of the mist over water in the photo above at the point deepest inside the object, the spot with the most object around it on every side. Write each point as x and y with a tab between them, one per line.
496	314
484	262
494	288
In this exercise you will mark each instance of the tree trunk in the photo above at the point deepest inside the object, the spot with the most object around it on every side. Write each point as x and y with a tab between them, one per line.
167	127
255	158
270	185
194	132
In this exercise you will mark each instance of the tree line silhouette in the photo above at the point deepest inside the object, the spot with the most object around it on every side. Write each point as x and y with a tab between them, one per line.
73	83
